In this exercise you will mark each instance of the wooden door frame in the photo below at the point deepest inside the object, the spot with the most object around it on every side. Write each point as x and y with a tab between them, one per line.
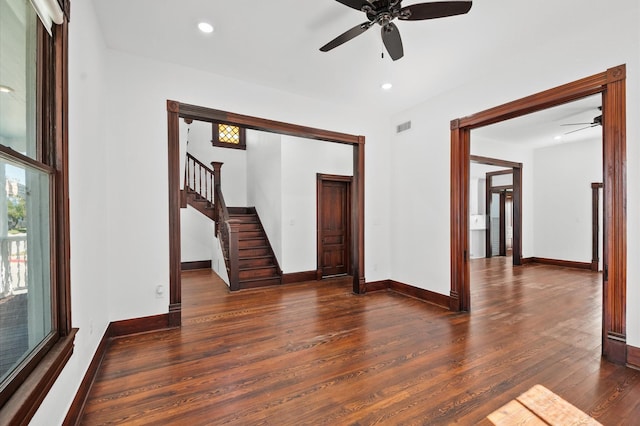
612	85
177	110
320	178
516	186
595	225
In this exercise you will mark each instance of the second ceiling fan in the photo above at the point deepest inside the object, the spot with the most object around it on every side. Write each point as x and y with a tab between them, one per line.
383	12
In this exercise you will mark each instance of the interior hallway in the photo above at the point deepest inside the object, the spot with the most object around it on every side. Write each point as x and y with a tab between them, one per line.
315	353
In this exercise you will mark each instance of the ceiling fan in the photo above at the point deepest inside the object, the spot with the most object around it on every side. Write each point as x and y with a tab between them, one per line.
597	121
382	12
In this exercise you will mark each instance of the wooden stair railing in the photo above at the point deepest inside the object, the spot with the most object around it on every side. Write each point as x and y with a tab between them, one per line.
227	230
248	254
199	178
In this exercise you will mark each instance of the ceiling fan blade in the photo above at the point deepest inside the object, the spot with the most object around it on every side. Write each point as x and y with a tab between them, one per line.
346	36
577	130
355	4
438	9
392	41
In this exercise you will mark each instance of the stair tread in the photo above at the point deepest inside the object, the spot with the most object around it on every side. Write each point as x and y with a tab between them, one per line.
259	279
252	268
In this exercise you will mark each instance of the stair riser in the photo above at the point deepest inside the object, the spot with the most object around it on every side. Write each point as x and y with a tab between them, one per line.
245	227
254	263
261	283
244	219
253	252
251	234
258	273
252	243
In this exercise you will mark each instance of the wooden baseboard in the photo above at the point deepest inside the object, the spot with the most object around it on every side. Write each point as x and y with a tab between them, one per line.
563	263
298	277
198	264
77	406
633	357
411	291
377	285
114	330
526	260
420	293
138	325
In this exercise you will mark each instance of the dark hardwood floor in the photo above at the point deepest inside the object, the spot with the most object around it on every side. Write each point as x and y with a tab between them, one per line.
315	353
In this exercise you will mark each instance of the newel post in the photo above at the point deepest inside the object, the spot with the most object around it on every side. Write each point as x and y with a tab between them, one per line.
216	181
234	271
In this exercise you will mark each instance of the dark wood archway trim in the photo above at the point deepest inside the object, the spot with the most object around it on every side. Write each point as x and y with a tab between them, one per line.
611	84
177	110
595	225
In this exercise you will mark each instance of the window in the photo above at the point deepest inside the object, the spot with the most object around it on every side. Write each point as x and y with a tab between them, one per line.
228	136
36	338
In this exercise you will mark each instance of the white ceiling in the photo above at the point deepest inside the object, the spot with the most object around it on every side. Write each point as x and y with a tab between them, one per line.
548	127
276	43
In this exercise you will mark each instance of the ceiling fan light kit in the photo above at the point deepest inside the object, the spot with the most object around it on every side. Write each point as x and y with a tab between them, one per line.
383	12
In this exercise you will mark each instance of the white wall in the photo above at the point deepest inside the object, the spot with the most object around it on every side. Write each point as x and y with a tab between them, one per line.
264	184
196	236
302	159
89	203
562	199
421	157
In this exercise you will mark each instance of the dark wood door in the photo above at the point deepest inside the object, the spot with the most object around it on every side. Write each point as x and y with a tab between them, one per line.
334	200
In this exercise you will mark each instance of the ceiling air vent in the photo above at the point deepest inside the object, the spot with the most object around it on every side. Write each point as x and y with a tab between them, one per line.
403	127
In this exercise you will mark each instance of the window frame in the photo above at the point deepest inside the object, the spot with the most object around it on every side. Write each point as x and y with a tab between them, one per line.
30	383
215	141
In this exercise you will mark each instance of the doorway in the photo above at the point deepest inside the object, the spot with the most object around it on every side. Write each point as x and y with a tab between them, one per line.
334	223
612	85
177	110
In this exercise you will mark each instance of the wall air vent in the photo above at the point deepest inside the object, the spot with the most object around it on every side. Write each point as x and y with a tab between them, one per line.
403	127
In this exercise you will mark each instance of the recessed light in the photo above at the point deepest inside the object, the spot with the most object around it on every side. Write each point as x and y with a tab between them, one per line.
386	86
5	89
205	27
558	138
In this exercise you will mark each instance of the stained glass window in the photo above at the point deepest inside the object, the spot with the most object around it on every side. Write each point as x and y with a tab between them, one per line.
228	136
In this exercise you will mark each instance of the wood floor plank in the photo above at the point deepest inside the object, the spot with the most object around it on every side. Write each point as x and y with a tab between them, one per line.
315	353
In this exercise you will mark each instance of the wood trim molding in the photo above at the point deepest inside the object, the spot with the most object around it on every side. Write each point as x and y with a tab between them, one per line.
633	357
611	83
197	264
138	325
495	162
378	285
74	414
114	330
558	262
595	225
177	110
200	113
36	386
428	296
299	277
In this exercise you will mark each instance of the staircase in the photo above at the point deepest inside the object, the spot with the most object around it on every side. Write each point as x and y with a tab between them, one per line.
199	203
249	258
257	264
